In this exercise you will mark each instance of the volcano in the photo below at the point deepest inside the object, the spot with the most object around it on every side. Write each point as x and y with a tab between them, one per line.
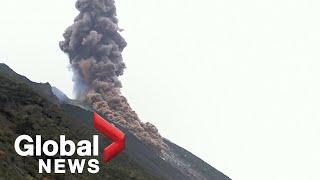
29	108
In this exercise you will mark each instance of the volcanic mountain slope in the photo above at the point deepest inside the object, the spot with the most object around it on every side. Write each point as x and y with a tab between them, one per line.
44	89
24	111
184	165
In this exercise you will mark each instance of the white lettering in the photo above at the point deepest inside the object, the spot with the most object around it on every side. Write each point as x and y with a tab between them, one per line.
28	147
84	148
76	165
63	144
43	165
93	166
59	165
55	148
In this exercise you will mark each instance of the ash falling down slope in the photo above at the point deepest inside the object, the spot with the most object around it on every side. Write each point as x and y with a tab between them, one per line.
94	46
27	107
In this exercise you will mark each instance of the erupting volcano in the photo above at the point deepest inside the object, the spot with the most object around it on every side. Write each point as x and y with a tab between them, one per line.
94	46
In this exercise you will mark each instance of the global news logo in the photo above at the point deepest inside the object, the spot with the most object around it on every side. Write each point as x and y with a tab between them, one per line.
26	146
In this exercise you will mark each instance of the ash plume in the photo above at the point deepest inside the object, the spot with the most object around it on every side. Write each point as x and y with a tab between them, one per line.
94	47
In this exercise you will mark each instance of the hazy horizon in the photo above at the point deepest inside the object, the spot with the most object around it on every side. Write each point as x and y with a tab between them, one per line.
234	82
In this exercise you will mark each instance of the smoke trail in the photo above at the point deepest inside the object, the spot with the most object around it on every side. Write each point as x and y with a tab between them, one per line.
94	46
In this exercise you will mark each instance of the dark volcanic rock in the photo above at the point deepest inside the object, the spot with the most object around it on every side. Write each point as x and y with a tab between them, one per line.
184	165
60	95
44	89
24	111
30	108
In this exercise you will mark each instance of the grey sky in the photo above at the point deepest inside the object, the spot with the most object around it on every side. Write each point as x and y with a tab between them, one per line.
243	74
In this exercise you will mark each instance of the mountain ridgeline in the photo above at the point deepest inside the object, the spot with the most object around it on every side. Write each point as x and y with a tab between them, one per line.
32	108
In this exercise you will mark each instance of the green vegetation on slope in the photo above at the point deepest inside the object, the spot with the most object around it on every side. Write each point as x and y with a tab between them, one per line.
23	111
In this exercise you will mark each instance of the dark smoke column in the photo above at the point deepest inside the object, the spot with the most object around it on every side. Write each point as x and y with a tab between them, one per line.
94	46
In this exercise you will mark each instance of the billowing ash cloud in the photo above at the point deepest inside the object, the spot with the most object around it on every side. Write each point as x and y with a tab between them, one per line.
94	46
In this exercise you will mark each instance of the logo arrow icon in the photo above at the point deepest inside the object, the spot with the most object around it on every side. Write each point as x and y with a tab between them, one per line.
112	133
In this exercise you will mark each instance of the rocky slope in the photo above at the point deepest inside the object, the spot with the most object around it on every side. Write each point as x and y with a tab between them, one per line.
23	111
44	89
26	111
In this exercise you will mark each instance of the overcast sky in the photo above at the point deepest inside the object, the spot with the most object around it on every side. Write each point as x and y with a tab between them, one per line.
234	82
